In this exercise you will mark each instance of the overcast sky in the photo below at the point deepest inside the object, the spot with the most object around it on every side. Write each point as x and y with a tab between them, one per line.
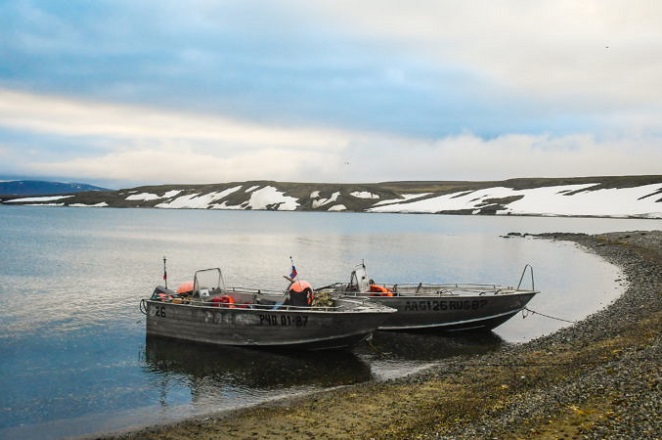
124	93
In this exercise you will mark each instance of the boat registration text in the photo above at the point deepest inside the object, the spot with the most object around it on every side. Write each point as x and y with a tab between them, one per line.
284	320
441	305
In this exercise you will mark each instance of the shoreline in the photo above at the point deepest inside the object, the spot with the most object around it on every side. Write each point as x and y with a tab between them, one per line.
599	378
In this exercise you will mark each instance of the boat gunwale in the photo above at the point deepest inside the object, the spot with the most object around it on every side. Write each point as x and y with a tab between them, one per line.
434	291
459	292
458	286
360	308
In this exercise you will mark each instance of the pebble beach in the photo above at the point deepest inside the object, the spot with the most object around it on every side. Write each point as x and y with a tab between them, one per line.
596	379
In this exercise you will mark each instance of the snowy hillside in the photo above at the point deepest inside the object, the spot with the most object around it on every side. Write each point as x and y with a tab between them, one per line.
633	197
569	200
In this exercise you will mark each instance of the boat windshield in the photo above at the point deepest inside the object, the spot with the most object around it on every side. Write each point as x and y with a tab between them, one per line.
206	281
359	279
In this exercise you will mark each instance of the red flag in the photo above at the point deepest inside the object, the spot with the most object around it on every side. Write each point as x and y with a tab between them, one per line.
293	274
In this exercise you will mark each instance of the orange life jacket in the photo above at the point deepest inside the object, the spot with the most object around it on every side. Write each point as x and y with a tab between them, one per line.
380	290
223	299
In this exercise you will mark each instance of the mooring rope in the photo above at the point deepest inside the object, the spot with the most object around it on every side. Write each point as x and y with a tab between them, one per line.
546	316
376	349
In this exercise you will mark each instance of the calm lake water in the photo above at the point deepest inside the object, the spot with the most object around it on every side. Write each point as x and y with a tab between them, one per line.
74	359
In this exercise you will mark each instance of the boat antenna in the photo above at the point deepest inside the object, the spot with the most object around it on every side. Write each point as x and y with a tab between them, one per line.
165	273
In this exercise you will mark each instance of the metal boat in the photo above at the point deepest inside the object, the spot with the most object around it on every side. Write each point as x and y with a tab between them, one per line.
446	307
291	319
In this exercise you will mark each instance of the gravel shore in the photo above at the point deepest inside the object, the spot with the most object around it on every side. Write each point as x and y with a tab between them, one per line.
597	379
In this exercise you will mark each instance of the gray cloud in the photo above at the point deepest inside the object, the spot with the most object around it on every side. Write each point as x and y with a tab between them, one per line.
319	90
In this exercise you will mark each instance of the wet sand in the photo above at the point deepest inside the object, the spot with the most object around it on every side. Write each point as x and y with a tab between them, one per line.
599	378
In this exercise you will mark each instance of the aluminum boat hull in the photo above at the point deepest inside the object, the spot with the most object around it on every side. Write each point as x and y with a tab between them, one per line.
452	313
299	329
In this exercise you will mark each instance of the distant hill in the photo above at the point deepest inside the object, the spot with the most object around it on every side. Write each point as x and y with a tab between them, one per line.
42	188
601	196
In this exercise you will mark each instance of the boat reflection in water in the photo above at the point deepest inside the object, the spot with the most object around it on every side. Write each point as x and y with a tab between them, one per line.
254	369
395	354
214	378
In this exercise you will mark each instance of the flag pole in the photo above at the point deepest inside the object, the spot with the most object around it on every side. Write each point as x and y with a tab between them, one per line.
293	273
165	273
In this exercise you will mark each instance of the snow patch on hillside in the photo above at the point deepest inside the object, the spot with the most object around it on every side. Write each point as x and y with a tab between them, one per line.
39	200
603	202
83	205
364	195
195	201
567	200
268	197
145	197
321	202
404	198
